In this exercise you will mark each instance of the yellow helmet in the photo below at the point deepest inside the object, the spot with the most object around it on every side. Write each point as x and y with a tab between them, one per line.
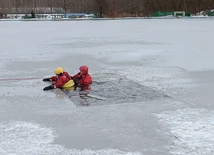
58	70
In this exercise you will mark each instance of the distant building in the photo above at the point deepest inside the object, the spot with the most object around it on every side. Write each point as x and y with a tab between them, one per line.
50	16
211	13
79	15
170	13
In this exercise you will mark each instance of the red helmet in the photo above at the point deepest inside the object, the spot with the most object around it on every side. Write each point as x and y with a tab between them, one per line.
84	69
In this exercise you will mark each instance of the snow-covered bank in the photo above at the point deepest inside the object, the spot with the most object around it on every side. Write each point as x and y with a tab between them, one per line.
117	18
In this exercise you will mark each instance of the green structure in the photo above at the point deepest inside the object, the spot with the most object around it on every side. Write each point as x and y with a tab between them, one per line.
170	13
211	13
27	17
181	14
162	13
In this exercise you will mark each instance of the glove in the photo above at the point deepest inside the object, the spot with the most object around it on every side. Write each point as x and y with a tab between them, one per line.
46	79
78	78
48	88
76	82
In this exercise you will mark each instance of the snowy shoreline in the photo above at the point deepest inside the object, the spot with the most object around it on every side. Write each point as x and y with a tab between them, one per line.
117	18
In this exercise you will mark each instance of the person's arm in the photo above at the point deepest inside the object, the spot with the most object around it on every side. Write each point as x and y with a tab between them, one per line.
87	80
48	88
54	78
76	79
60	82
76	76
46	79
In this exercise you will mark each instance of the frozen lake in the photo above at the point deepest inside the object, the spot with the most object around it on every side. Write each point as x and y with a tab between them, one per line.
156	76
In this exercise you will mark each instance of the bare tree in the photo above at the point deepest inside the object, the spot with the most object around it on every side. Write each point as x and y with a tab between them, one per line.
5	7
17	5
111	8
65	5
101	6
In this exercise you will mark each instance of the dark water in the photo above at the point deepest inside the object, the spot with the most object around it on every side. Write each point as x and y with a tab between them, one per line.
116	91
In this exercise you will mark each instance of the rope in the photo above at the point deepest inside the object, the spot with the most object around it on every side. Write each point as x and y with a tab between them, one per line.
20	79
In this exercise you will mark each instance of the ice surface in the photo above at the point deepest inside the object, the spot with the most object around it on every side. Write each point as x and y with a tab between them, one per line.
29	138
192	128
169	60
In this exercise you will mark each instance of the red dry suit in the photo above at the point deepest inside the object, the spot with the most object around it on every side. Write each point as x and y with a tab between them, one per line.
83	79
60	81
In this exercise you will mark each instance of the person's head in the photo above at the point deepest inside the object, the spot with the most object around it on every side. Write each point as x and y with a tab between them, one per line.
58	71
83	70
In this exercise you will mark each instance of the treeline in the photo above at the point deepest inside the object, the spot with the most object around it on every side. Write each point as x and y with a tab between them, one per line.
105	8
